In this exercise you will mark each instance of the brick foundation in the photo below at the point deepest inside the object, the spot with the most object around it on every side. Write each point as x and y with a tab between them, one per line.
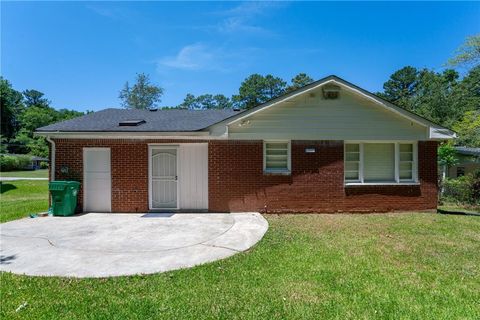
237	182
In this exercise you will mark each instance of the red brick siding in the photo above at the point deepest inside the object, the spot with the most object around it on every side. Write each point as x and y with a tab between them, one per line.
129	168
237	182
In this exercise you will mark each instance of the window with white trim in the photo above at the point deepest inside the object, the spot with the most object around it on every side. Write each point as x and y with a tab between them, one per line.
276	156
380	163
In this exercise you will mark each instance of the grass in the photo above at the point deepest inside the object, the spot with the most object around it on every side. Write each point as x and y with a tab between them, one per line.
43	173
21	197
378	266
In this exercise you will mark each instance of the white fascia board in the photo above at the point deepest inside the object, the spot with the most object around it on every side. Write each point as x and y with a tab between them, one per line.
201	135
436	133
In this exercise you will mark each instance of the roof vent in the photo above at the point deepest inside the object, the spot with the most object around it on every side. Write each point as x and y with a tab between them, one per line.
236	108
153	109
131	123
330	91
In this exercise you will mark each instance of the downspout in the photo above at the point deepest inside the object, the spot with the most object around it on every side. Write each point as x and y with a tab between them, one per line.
52	159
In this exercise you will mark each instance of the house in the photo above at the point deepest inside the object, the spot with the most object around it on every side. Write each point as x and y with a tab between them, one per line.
327	147
468	162
37	162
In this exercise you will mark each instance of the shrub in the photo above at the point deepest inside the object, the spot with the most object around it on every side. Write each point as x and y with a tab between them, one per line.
43	165
462	190
10	163
24	162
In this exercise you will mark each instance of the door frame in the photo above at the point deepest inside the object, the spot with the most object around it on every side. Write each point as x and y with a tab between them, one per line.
85	149
164	146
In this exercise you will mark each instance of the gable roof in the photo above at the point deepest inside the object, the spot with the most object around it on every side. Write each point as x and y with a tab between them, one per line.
201	121
108	120
436	131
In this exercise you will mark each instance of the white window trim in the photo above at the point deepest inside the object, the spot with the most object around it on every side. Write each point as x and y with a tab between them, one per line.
289	158
398	181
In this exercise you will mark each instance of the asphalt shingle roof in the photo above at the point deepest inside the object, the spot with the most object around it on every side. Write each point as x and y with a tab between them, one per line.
155	121
468	151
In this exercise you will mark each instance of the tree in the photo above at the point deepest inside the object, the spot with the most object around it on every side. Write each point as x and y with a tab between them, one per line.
401	87
468	54
35	98
447	157
257	89
142	95
11	105
188	102
433	96
468	129
274	86
300	80
205	101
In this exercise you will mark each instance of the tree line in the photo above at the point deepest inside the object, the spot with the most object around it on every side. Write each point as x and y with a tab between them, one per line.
21	114
444	97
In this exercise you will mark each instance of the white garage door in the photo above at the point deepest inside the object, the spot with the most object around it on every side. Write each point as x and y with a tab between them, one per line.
97	182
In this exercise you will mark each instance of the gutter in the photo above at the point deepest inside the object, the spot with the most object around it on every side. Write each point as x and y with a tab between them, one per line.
52	159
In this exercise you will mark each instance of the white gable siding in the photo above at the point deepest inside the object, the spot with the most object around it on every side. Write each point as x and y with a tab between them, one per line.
350	117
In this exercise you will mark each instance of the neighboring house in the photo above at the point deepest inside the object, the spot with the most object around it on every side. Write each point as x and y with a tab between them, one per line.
36	162
468	162
327	147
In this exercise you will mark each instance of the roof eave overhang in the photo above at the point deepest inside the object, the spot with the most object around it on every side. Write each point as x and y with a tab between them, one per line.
126	135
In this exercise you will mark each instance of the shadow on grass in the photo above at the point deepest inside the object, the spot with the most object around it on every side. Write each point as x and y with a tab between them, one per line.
458	212
5	187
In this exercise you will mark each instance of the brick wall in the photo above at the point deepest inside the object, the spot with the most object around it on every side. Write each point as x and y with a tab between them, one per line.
237	182
129	168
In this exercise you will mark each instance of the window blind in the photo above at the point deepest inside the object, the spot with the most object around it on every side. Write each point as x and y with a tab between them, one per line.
379	162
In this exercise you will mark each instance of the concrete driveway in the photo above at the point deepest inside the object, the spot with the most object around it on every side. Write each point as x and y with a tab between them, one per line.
102	245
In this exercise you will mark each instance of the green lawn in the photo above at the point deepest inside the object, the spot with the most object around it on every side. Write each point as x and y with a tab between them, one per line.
26	174
21	197
378	266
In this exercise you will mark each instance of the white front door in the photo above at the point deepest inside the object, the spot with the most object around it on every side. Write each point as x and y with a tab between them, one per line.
97	181
163	168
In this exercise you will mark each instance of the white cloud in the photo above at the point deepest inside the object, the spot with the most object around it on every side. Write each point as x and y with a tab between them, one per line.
246	17
192	57
199	56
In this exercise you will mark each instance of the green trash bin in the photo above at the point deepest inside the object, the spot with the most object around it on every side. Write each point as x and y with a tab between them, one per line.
64	197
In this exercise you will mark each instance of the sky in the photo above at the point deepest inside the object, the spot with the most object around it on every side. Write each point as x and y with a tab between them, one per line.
80	54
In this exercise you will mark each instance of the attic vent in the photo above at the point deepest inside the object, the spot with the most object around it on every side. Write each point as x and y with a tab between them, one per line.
331	91
131	123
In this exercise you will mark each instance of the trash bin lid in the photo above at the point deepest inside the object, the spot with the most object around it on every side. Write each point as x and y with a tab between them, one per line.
57	185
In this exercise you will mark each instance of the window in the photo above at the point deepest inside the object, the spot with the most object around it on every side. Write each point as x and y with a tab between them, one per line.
276	156
460	171
352	162
380	163
406	162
